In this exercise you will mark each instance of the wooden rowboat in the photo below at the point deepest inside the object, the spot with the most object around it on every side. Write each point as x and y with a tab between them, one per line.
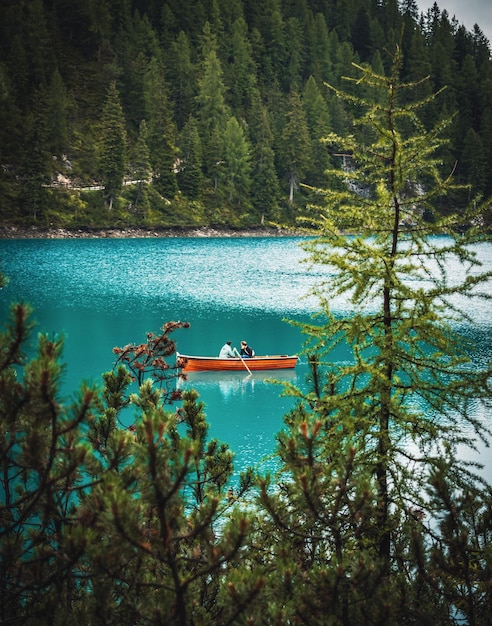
214	363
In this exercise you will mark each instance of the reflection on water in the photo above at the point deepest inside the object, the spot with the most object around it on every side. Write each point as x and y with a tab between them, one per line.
231	384
245	411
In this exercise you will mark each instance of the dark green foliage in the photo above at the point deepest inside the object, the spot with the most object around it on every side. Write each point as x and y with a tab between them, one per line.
141	170
42	455
161	130
237	163
211	61
295	144
371	518
100	523
190	177
181	76
319	124
113	145
241	71
213	115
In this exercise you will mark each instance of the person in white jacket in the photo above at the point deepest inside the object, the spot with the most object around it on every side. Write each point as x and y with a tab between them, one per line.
226	352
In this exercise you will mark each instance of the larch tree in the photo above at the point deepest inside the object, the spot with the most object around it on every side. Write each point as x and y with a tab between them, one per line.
373	515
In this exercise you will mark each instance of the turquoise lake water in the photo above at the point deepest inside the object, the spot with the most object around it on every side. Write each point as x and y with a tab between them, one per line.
102	293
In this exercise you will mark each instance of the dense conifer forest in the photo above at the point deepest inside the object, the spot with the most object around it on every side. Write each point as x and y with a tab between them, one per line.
185	113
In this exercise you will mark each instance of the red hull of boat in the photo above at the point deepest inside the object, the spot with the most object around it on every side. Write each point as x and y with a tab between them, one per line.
211	364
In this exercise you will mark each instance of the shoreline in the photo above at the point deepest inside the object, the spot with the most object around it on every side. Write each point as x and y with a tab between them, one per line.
35	232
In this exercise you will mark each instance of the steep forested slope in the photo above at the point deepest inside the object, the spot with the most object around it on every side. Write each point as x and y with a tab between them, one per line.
217	107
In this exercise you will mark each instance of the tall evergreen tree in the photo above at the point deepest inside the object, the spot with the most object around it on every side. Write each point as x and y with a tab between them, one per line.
38	42
112	161
319	124
472	168
161	130
241	71
417	64
213	113
182	78
266	187
319	49
295	144
190	177
37	159
58	115
486	134
272	28
141	167
237	165
135	43
361	35
295	53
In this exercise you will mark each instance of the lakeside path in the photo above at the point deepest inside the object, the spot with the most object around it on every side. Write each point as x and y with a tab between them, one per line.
34	232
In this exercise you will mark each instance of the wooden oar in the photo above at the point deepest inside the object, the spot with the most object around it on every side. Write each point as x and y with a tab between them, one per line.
244	362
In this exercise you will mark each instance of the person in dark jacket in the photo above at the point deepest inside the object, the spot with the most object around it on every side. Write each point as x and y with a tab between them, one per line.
246	350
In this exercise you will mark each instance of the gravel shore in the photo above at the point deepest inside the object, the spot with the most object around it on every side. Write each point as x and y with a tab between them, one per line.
34	232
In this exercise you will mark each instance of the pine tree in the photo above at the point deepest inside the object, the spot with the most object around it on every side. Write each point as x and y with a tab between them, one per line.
473	165
113	145
241	71
353	529
141	167
37	160
237	162
58	115
43	454
361	35
266	187
161	130
190	177
272	28
182	78
213	114
99	522
319	49
294	48
295	144
161	505
319	124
